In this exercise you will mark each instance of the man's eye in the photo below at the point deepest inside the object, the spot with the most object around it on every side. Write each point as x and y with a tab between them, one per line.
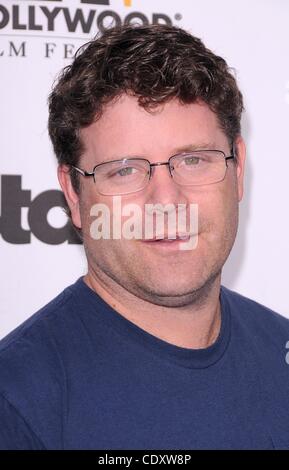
191	161
129	170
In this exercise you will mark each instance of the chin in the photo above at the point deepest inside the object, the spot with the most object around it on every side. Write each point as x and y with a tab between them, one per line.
182	292
177	291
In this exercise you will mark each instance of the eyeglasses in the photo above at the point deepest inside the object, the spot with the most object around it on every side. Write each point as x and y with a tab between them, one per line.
129	175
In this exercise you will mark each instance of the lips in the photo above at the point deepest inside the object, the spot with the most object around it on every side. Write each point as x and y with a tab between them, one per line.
169	239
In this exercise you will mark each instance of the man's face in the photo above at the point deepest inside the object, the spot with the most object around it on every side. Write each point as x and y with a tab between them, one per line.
152	271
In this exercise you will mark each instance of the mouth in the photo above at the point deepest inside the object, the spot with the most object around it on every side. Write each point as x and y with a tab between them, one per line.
169	238
168	242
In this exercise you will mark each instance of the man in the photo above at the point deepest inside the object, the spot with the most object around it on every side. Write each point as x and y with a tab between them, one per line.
148	350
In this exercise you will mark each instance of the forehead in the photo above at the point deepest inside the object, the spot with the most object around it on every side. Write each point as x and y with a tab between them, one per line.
127	129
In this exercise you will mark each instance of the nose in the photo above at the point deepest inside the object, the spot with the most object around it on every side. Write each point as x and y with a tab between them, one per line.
165	198
162	187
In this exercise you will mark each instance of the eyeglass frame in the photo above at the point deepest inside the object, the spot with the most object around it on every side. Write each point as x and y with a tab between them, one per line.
151	165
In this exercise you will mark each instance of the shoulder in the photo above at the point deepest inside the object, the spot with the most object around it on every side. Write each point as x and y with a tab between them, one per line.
32	371
33	335
254	310
37	340
264	326
261	338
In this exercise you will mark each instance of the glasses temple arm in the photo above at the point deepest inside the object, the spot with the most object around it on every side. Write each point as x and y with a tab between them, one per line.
83	172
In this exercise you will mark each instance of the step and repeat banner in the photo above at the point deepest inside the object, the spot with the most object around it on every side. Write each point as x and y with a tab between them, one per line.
40	255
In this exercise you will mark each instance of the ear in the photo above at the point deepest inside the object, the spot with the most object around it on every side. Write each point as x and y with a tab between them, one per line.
240	148
72	198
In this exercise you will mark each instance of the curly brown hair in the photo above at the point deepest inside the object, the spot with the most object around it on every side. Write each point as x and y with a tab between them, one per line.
155	63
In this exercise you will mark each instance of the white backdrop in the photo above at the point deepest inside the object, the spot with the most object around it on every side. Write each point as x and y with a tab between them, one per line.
34	37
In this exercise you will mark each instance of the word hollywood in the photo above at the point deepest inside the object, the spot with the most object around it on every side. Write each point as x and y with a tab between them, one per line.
77	22
47	18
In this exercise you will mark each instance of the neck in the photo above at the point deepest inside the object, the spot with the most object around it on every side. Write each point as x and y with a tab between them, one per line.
195	325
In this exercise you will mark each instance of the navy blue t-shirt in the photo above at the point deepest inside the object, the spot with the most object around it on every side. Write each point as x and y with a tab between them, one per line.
78	375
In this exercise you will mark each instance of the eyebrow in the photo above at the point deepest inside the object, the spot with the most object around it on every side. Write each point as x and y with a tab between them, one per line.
175	151
199	146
